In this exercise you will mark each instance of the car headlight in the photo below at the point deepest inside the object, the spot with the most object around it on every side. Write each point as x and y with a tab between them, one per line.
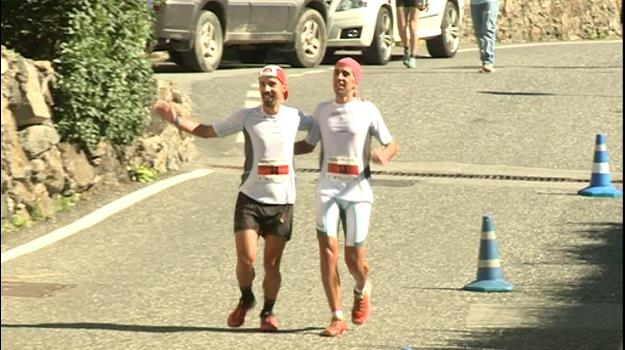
345	5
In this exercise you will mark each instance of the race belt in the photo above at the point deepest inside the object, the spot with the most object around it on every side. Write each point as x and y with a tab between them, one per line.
273	170
343	169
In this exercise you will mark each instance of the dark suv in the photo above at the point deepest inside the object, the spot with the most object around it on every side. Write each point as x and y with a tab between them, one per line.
196	32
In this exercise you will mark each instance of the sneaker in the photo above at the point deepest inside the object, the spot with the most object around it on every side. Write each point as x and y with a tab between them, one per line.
362	307
412	63
406	57
237	316
336	328
269	323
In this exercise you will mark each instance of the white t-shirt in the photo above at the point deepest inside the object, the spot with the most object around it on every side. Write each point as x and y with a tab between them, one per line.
345	132
268	174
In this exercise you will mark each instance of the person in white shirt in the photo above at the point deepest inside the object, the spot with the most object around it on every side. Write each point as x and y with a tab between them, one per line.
266	196
345	126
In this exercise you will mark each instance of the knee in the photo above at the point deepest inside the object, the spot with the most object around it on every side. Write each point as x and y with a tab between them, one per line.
352	261
246	260
272	265
328	254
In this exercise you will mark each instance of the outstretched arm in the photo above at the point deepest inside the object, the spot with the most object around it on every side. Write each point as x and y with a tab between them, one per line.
302	147
385	154
167	112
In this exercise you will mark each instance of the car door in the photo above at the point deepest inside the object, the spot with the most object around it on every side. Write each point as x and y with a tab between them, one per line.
238	20
270	18
430	20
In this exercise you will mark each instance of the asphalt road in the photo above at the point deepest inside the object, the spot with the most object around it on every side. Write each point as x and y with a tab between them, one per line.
160	274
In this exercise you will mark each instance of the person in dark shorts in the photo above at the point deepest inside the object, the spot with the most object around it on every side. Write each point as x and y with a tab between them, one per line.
264	204
407	18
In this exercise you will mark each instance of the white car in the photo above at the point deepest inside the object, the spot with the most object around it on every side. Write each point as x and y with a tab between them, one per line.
371	26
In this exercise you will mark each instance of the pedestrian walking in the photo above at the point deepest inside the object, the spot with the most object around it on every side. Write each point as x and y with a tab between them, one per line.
344	126
484	17
407	21
264	205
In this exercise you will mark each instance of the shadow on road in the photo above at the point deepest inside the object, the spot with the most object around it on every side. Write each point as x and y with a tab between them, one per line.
524	93
602	288
152	329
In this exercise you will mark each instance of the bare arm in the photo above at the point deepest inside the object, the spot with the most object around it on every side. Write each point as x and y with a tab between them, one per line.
385	154
507	8
167	111
302	147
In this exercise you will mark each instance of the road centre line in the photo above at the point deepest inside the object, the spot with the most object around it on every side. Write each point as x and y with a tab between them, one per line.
101	214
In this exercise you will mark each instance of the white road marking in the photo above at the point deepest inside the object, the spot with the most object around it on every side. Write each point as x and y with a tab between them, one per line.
101	214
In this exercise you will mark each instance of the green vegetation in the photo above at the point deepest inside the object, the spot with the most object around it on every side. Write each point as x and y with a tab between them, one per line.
15	223
64	203
61	204
142	173
104	79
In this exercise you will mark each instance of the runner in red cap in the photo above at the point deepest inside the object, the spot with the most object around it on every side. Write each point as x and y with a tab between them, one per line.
273	71
345	126
266	195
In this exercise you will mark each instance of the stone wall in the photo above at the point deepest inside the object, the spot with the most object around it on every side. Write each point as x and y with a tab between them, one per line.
548	20
38	168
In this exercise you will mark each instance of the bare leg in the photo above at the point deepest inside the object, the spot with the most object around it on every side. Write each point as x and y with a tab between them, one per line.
328	256
246	242
413	17
357	265
274	246
401	25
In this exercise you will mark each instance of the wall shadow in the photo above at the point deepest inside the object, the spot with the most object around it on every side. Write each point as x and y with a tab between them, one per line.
604	287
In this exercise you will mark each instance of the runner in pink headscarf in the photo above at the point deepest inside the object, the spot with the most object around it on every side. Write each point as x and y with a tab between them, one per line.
344	126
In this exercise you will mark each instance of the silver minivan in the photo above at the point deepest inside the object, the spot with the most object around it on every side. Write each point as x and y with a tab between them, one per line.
195	32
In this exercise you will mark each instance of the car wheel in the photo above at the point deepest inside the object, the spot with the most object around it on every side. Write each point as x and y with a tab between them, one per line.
446	44
382	44
310	40
252	56
207	45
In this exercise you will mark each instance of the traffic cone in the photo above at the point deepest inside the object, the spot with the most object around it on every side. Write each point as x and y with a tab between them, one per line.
489	274
600	180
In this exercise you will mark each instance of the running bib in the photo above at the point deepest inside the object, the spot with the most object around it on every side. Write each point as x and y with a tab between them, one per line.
272	170
343	168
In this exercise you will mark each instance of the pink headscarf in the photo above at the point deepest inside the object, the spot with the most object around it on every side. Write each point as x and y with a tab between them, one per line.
351	63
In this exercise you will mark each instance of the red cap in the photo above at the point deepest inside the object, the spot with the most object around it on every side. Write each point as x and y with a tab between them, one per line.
354	65
277	72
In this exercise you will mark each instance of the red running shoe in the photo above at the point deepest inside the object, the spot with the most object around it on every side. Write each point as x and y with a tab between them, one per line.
336	328
237	316
269	323
362	306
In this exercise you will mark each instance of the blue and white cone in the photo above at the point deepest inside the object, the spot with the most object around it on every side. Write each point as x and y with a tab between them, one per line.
489	273
600	180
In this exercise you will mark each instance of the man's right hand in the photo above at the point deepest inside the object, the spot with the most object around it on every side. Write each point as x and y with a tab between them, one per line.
165	110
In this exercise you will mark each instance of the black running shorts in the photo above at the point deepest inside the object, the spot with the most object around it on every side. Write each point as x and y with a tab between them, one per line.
264	218
406	3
